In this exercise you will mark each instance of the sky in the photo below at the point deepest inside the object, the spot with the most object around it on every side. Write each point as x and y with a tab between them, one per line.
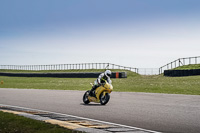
133	33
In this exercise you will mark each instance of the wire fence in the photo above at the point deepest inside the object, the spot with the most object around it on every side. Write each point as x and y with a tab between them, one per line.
81	66
148	71
180	62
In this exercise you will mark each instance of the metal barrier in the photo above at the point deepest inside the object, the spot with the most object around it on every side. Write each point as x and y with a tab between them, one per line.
81	66
148	71
180	62
65	75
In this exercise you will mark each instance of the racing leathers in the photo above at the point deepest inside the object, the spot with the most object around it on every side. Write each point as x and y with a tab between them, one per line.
98	82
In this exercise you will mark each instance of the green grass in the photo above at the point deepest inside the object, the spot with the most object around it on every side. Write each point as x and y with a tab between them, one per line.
188	67
11	123
134	83
56	71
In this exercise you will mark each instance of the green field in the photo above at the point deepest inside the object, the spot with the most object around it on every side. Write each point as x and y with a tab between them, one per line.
55	71
188	67
133	83
11	123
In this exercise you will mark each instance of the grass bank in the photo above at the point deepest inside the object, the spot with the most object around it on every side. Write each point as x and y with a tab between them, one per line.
188	67
57	71
11	123
133	83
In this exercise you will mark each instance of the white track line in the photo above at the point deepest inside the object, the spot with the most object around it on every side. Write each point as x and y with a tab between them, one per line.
83	118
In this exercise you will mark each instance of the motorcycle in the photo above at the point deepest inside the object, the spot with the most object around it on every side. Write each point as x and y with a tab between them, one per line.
101	94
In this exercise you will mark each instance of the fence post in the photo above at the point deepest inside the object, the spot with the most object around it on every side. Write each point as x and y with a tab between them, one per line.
189	60
171	65
195	60
175	63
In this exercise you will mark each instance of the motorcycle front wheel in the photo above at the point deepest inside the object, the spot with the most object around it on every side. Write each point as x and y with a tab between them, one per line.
104	99
85	97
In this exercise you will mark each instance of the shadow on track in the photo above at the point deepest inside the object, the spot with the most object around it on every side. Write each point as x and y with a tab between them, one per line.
91	104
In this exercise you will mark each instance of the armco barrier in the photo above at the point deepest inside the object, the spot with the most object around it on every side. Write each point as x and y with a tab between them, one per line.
179	73
65	75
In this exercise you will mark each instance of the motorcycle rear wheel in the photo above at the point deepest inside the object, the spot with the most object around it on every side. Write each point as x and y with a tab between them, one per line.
104	99
85	97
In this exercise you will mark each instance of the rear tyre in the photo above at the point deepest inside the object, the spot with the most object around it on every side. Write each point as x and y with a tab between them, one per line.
104	99
85	97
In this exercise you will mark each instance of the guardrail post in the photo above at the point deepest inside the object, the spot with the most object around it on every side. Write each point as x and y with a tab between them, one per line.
161	71
175	64
195	60
189	61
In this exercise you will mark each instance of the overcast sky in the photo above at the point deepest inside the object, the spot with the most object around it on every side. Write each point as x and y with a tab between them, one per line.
135	33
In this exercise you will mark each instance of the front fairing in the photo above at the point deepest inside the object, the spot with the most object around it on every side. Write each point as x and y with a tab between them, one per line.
108	87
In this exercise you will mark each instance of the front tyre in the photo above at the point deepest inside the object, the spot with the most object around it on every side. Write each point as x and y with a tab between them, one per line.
85	97
104	99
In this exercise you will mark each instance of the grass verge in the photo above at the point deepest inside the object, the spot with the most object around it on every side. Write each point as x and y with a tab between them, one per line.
57	71
11	123
188	67
133	83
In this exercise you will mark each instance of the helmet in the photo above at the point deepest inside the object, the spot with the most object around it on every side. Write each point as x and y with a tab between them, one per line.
108	73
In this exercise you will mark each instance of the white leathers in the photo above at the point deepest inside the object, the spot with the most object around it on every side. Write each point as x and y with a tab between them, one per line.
102	77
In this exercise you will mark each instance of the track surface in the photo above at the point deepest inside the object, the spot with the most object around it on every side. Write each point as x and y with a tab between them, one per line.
158	112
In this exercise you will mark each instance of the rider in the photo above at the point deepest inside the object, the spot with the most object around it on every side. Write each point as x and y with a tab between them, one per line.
100	80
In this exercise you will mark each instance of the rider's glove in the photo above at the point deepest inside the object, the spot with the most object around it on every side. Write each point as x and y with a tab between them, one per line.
102	84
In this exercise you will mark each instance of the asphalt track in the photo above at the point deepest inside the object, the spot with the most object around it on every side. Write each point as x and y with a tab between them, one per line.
159	112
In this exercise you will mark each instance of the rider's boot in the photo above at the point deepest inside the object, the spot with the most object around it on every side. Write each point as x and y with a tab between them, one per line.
90	93
92	90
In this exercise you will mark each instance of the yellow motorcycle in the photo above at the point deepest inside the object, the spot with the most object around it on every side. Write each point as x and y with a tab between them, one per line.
102	94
